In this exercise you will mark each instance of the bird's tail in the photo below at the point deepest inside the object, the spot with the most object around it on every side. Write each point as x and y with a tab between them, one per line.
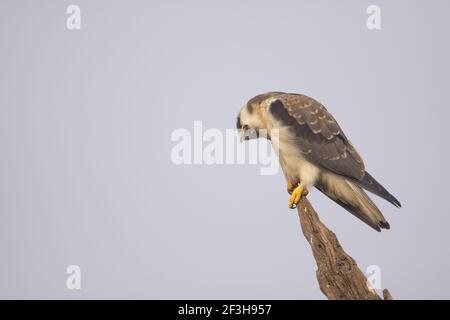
370	184
354	199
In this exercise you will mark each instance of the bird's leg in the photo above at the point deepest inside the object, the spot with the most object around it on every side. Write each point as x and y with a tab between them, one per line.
296	195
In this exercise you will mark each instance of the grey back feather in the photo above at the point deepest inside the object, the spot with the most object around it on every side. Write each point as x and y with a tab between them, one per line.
318	135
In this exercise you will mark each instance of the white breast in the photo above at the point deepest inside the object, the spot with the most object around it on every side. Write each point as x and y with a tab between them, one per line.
295	167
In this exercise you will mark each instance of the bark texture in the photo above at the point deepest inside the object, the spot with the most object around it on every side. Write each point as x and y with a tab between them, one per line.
338	274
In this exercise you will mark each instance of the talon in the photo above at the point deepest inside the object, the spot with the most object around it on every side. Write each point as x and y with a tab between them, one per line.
296	195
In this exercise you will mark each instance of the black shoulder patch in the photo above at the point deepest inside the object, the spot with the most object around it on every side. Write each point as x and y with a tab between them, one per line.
257	100
280	113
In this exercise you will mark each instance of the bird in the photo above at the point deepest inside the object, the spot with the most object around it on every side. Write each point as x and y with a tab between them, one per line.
313	151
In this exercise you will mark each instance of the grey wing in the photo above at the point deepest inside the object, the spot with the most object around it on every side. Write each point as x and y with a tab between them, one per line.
317	134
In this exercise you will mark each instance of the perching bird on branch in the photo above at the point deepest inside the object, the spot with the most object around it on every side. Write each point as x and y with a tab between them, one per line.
314	151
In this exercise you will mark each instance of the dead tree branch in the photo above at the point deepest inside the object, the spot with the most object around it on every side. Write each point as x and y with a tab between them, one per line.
338	274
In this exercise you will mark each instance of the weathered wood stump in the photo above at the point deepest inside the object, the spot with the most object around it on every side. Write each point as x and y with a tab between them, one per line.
338	274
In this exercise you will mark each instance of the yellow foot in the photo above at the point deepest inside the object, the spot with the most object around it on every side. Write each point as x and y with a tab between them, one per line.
296	195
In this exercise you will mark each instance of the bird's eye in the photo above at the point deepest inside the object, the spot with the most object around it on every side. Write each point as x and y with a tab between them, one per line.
245	127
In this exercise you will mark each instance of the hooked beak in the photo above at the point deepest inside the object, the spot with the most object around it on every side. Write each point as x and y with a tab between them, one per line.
248	134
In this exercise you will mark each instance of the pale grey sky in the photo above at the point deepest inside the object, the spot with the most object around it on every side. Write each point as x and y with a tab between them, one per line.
86	118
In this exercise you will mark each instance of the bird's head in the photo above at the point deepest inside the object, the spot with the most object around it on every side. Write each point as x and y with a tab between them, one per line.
250	120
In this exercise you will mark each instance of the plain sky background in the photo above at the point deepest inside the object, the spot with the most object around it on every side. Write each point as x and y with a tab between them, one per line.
86	118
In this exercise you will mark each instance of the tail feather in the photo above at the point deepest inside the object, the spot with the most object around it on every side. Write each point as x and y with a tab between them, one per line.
352	198
370	184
